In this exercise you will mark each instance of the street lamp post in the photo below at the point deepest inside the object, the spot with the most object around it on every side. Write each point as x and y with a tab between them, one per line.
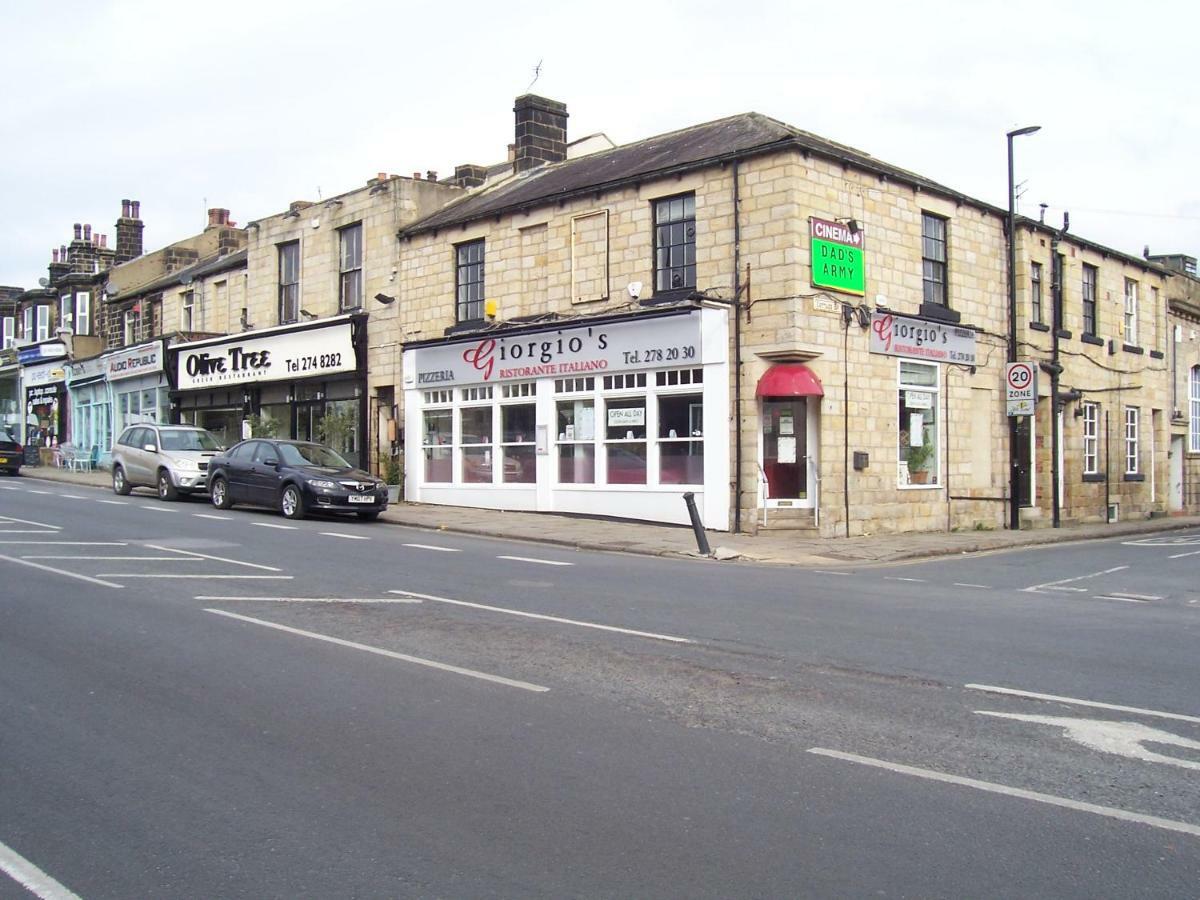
1014	471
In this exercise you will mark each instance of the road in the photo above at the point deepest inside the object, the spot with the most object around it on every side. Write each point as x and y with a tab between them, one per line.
226	704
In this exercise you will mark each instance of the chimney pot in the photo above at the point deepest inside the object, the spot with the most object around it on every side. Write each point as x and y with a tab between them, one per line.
416	176
124	209
54	255
104	240
87	234
135	209
78	231
381	176
431	175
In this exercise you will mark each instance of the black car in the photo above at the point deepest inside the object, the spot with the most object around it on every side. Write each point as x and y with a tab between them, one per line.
12	454
296	477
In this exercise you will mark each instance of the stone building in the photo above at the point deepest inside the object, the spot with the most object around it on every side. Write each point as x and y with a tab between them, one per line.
296	361
1183	360
845	323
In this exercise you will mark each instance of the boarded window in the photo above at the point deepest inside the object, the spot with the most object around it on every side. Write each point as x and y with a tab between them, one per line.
589	257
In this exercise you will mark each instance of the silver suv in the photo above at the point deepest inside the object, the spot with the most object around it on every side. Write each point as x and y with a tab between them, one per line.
173	459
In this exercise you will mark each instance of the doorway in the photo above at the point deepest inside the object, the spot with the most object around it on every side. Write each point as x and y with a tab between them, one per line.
785	457
1175	475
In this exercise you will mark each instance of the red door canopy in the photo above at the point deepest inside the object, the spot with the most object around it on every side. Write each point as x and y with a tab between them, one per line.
789	380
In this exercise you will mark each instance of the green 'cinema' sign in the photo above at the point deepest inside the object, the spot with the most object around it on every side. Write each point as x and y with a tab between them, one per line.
837	257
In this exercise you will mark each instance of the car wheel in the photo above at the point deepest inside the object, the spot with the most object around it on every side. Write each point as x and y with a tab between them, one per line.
166	490
120	485
369	515
219	492
291	502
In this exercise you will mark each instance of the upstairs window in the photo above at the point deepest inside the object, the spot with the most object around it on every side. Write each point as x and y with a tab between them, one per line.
1091	438
1194	403
1131	440
131	326
289	282
675	243
43	323
83	313
187	308
27	324
350	267
1035	292
933	258
1131	312
10	332
66	311
1089	299
468	281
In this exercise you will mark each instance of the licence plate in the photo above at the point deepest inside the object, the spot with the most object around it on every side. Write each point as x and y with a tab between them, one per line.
3	460
358	498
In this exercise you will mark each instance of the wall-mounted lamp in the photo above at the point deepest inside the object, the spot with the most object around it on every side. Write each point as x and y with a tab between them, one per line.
308	315
852	224
385	299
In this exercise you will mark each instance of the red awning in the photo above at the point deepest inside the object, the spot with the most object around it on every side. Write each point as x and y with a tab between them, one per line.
789	380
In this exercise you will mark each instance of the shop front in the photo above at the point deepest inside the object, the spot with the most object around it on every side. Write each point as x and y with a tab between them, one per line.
91	409
10	379
138	385
601	416
45	411
306	382
789	396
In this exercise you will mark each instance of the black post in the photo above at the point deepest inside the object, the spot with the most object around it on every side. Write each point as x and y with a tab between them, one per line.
1014	470
701	538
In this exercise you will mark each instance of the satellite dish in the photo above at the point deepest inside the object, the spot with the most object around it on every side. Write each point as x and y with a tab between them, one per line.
44	282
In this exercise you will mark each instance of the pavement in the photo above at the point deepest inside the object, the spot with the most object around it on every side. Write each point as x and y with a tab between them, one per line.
654	539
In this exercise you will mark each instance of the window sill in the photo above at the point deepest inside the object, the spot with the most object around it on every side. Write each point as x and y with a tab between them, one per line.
1064	334
918	487
1094	478
1130	348
1134	476
1039	326
1092	339
1156	354
940	313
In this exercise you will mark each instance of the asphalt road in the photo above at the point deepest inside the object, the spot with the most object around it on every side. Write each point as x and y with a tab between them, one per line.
225	704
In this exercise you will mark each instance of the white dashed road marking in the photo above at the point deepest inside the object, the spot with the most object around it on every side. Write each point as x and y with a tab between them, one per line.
206	577
897	578
966	584
432	547
1005	790
274	525
114	502
432	664
317	599
214	518
157	508
559	619
1181	555
72	496
30	877
1074	701
349	537
540	562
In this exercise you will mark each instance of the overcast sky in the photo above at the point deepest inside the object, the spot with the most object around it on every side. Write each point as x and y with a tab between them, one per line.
252	104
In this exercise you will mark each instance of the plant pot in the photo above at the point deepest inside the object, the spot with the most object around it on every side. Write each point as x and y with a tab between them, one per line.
393	493
919	477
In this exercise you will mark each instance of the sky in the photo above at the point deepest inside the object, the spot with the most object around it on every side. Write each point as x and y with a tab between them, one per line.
250	105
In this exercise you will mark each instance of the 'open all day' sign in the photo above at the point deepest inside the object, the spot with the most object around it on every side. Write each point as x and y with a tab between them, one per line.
837	257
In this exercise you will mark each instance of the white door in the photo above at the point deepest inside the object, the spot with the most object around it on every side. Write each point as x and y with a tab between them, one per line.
1175	475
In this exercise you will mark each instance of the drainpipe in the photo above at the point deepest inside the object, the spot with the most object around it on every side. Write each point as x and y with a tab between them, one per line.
737	349
1056	369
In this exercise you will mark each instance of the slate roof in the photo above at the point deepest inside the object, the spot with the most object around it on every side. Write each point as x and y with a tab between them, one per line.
207	266
742	135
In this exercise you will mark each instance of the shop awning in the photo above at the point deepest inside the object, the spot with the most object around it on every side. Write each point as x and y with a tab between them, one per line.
789	380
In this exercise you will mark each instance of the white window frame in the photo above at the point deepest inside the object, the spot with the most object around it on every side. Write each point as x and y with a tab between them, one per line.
1194	404
43	323
66	311
1132	426
10	332
936	390
1091	438
1131	312
83	313
130	326
27	324
187	311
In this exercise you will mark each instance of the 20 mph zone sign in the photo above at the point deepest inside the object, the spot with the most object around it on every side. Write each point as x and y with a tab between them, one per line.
1020	388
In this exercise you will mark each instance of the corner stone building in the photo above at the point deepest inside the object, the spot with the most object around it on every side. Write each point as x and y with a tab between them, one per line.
806	338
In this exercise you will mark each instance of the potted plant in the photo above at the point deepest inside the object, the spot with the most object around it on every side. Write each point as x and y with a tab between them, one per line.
391	475
917	459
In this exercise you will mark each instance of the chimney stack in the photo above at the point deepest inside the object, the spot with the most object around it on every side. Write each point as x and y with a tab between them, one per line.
218	218
469	175
129	232
541	132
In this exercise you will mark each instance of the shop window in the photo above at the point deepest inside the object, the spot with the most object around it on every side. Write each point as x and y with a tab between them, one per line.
675	243
475	428
436	437
674	377
518	389
625	382
289	282
1132	415
574	385
918	424
576	429
1091	438
625	440
437	398
518	429
475	393
350	267
681	439
468	281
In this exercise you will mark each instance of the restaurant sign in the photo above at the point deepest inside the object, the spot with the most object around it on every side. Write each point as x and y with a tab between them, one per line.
894	335
312	352
640	342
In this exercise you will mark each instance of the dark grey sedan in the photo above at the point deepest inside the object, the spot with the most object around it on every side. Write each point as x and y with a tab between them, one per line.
295	477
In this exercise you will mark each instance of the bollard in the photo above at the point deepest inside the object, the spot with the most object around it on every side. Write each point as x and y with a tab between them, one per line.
701	538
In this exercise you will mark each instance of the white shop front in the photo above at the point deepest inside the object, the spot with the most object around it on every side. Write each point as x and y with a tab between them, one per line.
606	415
